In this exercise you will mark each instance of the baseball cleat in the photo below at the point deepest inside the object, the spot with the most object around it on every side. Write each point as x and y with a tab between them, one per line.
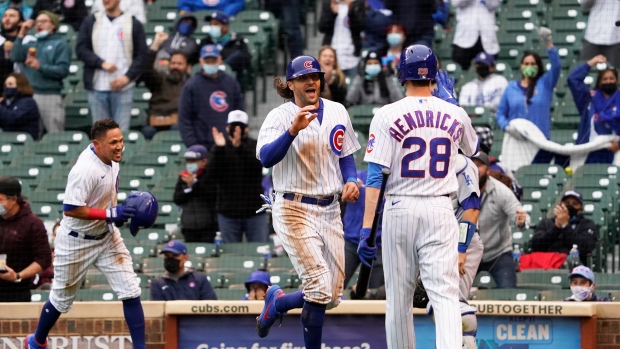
269	315
31	343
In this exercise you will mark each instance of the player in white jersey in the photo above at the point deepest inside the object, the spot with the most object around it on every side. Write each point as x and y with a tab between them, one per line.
88	237
309	141
418	138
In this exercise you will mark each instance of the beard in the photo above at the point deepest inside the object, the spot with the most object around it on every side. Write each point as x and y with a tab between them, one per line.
483	180
12	28
176	76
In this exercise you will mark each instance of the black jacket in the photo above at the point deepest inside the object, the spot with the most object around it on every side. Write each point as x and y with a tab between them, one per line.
178	42
198	204
415	15
20	115
191	286
71	12
234	52
356	23
549	238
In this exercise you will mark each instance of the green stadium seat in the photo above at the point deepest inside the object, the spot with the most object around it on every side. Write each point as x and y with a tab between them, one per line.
225	264
142	172
505	294
167	136
522	238
484	280
134	139
37	160
95	279
535	212
9	152
279	264
480	116
200	249
150	159
564	136
49	196
156	235
542	170
225	280
196	263
153	265
607	281
543	279
550	185
554	295
68	137
17	139
27	175
173	150
96	294
598	170
47	212
165	195
168	214
65	152
253	249
230	294
145	280
39	296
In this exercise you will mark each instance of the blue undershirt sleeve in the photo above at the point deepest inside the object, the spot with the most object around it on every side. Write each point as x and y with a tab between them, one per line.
274	152
374	175
347	168
472	202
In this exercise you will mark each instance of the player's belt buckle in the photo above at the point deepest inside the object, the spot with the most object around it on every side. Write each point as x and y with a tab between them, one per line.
308	199
75	234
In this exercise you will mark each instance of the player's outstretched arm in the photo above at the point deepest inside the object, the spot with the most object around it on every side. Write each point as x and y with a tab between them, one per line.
115	214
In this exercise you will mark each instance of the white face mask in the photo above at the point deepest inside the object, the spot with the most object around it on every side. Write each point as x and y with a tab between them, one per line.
42	34
581	293
2	210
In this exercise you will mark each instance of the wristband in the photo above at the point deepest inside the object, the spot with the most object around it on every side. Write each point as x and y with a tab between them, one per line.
97	214
352	179
466	233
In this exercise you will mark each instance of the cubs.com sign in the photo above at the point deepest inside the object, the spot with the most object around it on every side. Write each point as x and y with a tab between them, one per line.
73	342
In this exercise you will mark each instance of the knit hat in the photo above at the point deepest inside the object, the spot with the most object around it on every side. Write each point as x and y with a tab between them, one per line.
53	17
10	186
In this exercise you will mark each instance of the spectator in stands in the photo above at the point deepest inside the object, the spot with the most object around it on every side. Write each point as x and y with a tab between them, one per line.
12	20
178	282
582	286
336	88
69	12
165	88
179	41
487	88
21	5
45	67
376	22
238	174
372	86
530	98
342	23
194	195
111	62
599	107
233	49
475	30
257	285
566	228
602	37
133	8
206	100
396	37
230	7
498	209
290	13
417	17
23	242
18	110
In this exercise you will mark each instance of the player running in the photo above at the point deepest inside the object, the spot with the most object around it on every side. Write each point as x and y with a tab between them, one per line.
309	141
418	138
87	237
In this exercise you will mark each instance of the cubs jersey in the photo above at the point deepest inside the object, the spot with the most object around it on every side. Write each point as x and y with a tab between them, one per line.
94	184
467	176
311	164
418	139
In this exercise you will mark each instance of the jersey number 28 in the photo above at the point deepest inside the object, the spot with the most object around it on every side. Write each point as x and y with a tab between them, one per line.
436	157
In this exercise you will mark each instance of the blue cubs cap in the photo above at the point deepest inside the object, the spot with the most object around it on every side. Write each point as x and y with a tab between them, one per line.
218	16
573	193
259	276
485	58
582	271
174	246
196	152
209	51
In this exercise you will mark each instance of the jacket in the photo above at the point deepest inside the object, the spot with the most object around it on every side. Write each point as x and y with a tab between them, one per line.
487	92
357	94
54	55
69	12
374	30
238	174
580	231
197	203
205	103
468	31
191	286
597	113
178	42
132	7
20	115
415	15
231	45
513	104
356	23
23	238
6	64
164	93
230	7
92	62
593	298
600	29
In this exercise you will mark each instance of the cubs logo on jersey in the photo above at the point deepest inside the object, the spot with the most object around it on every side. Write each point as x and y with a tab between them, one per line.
371	143
121	36
211	2
217	101
336	139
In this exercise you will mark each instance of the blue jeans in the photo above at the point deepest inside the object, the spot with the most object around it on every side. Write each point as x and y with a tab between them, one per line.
502	269
289	12
112	104
256	228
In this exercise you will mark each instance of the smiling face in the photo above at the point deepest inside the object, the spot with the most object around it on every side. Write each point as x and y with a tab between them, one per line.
327	58
306	89
110	146
609	78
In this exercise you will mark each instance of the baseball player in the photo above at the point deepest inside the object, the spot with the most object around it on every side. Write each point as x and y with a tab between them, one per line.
309	141
418	138
88	237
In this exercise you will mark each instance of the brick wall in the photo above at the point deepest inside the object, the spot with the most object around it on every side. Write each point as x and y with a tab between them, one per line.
608	331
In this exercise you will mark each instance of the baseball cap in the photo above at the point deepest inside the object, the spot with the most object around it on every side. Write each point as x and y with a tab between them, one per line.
209	51
238	116
582	271
258	276
573	193
218	16
196	152
10	186
372	55
484	58
174	246
482	156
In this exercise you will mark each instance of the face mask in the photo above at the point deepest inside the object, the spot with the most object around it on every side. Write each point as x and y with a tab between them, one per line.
10	92
394	39
483	71
41	35
529	71
572	211
609	89
215	32
2	210
192	167
372	70
581	293
210	69
184	28
172	265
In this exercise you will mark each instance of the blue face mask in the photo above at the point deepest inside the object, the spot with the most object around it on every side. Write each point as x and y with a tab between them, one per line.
372	70
215	32
42	34
184	28
210	69
192	167
394	39
10	92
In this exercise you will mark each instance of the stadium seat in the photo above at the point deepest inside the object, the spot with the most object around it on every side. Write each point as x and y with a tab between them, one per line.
253	249
564	136
535	212
174	150
153	265
230	294
554	295
225	280
17	139
480	116
168	214
233	264
39	296
505	294
47	212
37	160
542	170
27	175
196	263
599	170
150	159
484	280
550	185
68	137
522	238
96	294
279	264
200	249
9	152
95	279
543	279
607	281
64	152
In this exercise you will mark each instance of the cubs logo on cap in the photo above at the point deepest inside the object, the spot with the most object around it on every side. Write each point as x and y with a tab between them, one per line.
336	139
371	143
422	71
308	64
217	101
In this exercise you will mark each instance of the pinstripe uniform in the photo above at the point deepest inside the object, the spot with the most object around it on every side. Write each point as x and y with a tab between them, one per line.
94	184
312	235
418	138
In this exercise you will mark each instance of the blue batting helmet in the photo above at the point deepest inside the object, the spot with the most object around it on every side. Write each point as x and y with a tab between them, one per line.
259	276
417	62
303	65
146	207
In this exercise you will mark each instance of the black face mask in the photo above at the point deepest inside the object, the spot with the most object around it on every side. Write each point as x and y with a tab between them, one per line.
483	71
172	265
572	211
609	89
482	181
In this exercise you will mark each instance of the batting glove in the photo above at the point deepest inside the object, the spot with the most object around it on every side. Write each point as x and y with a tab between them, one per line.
120	213
445	87
366	253
268	203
